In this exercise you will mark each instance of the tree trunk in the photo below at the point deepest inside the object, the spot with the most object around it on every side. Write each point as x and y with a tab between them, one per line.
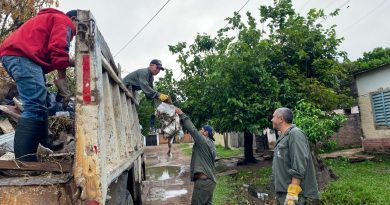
226	140
248	147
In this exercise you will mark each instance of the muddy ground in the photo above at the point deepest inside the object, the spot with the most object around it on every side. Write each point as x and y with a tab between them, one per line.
167	179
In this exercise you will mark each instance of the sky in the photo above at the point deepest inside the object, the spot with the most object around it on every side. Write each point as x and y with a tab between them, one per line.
363	24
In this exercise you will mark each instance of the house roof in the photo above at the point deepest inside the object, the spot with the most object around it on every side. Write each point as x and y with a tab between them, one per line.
369	70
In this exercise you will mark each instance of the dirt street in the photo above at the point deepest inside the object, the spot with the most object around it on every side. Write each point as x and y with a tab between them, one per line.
167	179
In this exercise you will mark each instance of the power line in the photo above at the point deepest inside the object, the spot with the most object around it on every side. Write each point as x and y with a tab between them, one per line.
342	5
135	36
363	17
238	11
303	6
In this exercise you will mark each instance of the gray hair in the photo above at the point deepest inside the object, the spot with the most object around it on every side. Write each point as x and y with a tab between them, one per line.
286	114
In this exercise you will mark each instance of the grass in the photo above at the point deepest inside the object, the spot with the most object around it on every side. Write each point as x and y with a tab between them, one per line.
363	183
359	183
186	148
229	189
221	151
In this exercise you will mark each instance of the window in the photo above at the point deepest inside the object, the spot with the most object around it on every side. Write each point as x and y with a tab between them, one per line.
381	108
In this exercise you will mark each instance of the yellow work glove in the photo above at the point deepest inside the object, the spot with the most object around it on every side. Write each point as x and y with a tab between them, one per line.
163	97
292	194
63	89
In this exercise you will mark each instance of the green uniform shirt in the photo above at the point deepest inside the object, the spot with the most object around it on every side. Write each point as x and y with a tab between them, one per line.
141	79
203	151
292	158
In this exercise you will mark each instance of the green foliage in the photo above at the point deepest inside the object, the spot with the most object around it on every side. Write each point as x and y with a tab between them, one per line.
359	183
236	82
372	59
168	86
329	146
145	110
318	125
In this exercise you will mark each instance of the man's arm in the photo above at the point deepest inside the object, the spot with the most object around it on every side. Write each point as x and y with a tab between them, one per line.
198	138
59	42
150	93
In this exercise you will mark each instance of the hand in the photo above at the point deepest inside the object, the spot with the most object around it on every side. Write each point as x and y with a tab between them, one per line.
63	90
163	97
292	194
178	111
71	62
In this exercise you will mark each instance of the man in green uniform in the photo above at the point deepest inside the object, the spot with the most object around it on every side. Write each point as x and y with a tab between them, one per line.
202	167
142	79
293	172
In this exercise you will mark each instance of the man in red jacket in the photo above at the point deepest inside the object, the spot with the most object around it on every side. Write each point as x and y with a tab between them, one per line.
39	46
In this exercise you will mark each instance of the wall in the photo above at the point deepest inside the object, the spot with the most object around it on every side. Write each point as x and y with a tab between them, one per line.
366	83
350	134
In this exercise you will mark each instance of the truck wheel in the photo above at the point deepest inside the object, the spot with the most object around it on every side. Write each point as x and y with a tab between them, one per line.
129	198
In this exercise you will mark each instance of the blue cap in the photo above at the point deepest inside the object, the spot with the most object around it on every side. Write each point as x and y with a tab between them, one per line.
71	13
209	129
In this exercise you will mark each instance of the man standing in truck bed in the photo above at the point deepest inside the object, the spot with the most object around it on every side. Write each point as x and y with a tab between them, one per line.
202	168
142	79
39	46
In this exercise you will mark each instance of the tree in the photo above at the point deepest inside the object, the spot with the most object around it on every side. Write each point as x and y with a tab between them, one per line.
226	83
236	82
318	125
305	56
372	59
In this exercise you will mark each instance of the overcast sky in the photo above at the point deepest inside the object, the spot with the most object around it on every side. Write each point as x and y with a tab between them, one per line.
363	24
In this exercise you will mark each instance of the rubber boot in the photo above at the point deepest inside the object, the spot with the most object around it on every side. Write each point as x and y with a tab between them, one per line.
47	141
26	139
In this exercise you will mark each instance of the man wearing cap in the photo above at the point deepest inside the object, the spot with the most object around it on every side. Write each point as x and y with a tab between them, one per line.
202	167
39	46
142	79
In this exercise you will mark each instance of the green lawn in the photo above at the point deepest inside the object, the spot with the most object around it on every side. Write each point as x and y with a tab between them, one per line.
186	148
359	183
221	151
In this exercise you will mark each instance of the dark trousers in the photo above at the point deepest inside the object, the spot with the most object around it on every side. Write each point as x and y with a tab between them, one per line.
203	192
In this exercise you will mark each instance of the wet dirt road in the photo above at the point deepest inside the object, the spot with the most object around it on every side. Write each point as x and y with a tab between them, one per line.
167	179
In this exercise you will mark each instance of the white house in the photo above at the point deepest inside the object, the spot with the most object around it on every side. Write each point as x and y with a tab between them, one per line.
373	88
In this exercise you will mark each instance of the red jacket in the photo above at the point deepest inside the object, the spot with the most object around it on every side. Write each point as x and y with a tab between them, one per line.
45	39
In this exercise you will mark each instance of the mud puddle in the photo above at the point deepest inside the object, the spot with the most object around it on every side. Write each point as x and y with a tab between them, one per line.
164	172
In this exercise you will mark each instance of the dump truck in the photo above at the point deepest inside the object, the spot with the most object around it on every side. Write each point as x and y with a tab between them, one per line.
107	166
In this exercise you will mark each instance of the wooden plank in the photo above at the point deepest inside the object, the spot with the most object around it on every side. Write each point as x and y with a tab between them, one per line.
35	166
40	180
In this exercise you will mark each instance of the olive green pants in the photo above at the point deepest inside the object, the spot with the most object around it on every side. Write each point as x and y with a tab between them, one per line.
203	192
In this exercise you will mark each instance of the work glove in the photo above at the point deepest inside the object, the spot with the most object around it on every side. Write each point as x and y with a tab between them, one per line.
63	90
163	97
292	194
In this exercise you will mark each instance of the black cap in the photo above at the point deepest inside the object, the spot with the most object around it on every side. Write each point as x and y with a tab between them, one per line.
71	13
158	63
